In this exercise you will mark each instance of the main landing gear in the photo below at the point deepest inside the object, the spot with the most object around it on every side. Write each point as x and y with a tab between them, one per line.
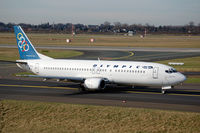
81	88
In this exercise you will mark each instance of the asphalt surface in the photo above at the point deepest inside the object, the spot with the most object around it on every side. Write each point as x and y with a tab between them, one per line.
181	98
134	55
107	48
124	53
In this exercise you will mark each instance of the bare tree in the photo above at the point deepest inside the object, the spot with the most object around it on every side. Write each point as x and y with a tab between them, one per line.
106	23
191	23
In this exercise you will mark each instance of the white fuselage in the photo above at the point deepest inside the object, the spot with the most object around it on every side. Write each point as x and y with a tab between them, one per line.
117	72
94	74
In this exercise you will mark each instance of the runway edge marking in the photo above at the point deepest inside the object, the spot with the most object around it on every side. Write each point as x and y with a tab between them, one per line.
162	94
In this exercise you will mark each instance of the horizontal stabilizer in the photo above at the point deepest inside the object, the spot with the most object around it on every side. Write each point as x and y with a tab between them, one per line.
13	62
54	77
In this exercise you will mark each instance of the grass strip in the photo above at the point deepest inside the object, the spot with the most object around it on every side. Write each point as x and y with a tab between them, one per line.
193	79
191	64
173	41
28	116
12	54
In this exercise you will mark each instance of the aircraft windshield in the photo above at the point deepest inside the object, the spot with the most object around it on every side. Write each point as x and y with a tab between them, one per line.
171	70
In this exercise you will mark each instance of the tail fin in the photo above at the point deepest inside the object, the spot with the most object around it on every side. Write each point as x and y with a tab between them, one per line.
25	47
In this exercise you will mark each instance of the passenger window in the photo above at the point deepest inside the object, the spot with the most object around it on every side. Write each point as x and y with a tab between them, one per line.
150	67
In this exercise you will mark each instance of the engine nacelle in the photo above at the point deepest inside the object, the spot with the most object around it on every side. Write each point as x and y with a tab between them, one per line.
94	83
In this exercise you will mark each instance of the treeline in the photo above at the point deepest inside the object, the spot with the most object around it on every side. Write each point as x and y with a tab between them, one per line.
105	28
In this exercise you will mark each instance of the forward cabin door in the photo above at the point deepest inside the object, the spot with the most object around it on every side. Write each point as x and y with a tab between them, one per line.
155	72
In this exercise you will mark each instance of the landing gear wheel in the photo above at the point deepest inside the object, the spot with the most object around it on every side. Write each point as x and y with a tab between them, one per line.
163	91
81	88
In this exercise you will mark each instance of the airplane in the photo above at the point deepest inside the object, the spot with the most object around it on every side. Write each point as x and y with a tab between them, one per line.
94	74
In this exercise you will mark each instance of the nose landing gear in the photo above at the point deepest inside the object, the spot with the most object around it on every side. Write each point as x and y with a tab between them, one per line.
164	88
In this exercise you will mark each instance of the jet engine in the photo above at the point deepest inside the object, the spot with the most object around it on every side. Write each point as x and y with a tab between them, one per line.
94	83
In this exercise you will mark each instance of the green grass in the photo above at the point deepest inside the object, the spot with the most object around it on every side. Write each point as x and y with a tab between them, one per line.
178	41
9	54
27	116
193	79
191	64
12	54
23	73
60	53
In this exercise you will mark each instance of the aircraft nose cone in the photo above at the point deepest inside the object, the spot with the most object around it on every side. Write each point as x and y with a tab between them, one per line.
182	78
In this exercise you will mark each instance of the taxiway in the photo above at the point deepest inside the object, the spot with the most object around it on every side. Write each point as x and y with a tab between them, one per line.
181	98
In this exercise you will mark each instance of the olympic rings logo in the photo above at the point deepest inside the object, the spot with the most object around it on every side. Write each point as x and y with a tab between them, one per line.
22	43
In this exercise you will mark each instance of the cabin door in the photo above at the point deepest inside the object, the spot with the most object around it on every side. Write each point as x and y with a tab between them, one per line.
155	72
37	67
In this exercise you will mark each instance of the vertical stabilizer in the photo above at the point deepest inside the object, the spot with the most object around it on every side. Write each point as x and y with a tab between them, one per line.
25	47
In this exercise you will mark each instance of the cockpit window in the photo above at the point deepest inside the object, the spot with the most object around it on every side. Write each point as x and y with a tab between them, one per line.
174	70
171	70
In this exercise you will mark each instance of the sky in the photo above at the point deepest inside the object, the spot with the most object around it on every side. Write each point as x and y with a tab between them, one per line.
153	12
